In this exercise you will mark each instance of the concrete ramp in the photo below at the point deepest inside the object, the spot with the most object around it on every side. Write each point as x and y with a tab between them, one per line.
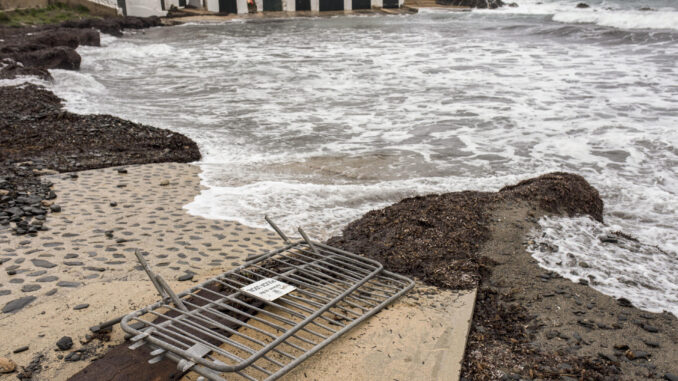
422	336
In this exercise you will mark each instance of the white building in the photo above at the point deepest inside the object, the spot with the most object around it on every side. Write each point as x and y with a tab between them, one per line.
145	8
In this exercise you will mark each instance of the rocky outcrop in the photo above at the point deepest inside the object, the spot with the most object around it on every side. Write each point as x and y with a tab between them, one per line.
33	50
114	26
39	137
489	4
59	57
436	238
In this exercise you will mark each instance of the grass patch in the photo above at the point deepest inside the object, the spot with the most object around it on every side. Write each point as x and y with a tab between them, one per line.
52	14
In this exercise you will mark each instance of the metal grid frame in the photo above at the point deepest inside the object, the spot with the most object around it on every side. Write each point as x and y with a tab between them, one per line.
215	329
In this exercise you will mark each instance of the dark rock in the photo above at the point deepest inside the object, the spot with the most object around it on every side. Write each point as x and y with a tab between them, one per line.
49	278
21	349
113	204
30	287
73	356
670	377
68	284
609	238
59	57
55	208
624	302
17	304
649	328
583	5
43	263
81	306
636	355
65	343
185	277
513	5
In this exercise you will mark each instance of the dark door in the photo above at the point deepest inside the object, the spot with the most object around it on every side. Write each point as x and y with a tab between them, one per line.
362	4
390	3
302	5
122	5
332	5
228	6
273	5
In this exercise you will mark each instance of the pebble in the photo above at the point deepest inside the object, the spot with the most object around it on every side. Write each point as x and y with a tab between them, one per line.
55	208
81	306
73	356
68	284
30	287
21	349
164	183
65	343
122	170
113	203
17	304
649	328
624	302
43	263
670	377
7	365
185	277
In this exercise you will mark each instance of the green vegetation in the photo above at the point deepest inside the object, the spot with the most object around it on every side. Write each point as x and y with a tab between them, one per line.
52	14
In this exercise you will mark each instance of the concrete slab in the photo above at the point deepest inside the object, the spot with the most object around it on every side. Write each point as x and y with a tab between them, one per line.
420	337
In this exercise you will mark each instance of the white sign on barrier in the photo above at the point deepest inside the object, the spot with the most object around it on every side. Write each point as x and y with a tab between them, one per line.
268	289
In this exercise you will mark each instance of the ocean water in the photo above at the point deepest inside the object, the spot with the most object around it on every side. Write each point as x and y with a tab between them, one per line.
316	121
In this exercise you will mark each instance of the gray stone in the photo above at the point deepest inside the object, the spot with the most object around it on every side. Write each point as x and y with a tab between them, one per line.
65	343
43	263
81	306
30	287
185	277
49	278
17	304
68	284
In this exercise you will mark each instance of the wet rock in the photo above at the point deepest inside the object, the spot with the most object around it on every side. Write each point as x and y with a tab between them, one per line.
609	238
17	304
65	343
636	355
649	328
583	5
624	302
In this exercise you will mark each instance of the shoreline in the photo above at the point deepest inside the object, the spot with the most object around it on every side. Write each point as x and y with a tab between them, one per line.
514	288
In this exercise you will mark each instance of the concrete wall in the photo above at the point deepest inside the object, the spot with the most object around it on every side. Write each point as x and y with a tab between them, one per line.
95	9
144	8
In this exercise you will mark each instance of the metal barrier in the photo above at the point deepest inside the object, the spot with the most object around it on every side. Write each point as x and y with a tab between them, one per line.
259	320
